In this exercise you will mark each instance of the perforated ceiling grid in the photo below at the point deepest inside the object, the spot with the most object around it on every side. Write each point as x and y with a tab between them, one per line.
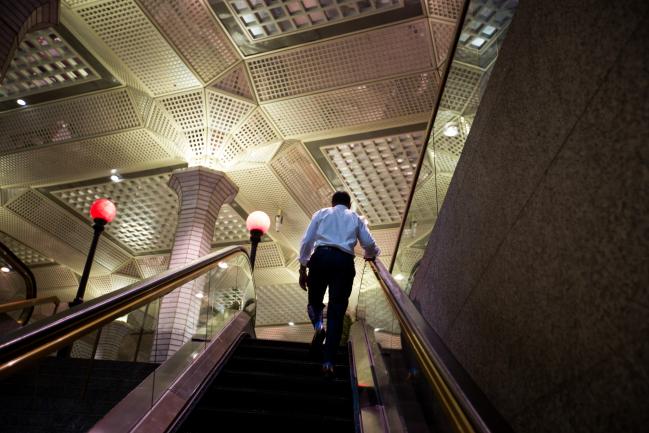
188	112
343	61
378	173
424	206
280	304
443	34
449	9
351	106
152	265
130	269
224	112
260	189
386	240
139	225
135	40
299	333
255	131
27	255
269	255
192	29
273	18
296	169
54	276
46	215
163	125
71	119
76	3
41	240
462	82
267	276
98	286
44	61
142	104
230	227
235	82
85	159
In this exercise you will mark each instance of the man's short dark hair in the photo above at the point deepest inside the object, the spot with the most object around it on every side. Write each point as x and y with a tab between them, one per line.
341	197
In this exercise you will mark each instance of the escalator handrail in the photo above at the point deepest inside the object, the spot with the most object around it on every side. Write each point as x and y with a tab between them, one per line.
467	407
44	337
30	303
30	281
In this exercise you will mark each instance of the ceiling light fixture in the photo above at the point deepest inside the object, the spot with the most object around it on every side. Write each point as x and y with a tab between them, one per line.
199	295
21	102
451	129
223	265
115	177
5	269
291	323
399	277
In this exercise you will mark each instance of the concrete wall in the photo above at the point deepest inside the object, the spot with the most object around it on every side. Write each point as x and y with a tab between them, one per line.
537	272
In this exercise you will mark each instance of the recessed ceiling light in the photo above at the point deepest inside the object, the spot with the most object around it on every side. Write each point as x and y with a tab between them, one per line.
5	269
291	323
223	265
115	178
199	295
377	329
113	170
21	102
451	129
399	277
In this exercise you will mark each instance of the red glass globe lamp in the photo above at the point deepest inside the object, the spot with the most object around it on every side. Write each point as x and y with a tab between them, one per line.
257	224
102	211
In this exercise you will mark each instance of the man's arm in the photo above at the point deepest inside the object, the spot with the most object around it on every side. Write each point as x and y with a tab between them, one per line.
367	241
306	247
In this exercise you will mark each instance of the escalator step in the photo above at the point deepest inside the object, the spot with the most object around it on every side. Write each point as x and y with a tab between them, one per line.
306	402
282	382
287	421
282	366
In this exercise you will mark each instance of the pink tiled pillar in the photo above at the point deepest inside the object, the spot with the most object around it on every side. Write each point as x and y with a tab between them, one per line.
201	193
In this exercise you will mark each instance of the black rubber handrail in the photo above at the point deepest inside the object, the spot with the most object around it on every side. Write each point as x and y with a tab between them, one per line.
42	338
30	282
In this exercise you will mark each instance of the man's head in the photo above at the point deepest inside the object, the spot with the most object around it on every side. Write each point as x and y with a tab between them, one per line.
341	197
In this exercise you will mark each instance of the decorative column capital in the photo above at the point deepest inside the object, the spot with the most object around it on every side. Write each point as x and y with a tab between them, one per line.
202	187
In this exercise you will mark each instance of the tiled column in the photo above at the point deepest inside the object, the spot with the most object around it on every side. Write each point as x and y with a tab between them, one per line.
201	193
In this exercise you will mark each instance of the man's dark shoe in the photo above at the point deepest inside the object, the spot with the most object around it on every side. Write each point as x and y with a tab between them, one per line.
316	343
328	371
319	337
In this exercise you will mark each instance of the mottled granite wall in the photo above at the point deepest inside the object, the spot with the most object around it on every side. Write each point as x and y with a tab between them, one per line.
537	272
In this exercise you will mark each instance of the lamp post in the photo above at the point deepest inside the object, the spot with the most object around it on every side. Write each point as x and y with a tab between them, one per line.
257	224
102	211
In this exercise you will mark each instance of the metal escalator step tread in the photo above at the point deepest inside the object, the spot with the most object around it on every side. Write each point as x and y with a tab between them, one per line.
262	379
288	421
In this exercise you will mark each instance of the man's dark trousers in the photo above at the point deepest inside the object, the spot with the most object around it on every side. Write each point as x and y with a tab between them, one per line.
333	268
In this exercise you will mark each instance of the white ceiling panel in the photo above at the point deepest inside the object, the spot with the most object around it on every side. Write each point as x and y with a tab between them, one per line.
132	37
72	119
372	55
353	106
190	26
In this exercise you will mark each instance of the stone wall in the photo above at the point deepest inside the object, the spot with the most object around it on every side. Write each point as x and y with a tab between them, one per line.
537	272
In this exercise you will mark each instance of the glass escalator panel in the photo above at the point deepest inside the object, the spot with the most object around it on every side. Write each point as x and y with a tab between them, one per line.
72	388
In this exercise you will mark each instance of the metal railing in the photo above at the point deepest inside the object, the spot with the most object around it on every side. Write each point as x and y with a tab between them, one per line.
467	408
42	338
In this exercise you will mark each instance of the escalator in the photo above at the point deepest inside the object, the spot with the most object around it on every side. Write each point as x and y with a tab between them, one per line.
391	376
276	386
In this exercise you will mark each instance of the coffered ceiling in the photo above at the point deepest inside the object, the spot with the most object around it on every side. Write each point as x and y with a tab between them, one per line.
292	99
